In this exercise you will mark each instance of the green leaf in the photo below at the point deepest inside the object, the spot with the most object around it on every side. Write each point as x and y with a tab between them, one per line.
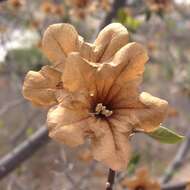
165	135
133	163
1	124
29	131
121	16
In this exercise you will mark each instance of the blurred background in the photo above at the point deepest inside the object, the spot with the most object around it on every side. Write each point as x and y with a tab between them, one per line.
163	26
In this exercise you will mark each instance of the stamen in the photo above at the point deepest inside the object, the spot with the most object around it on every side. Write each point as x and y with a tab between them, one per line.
107	113
101	109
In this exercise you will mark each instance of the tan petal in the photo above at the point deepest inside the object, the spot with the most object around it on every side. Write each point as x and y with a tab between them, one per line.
68	126
126	96
85	77
79	76
151	114
110	147
126	67
158	111
72	100
39	87
141	179
58	41
121	123
129	62
88	52
110	40
123	148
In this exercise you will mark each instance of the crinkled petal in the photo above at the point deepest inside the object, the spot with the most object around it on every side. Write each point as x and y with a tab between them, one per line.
126	67
68	126
141	179
39	87
58	41
110	40
129	62
88	52
121	123
110	147
149	117
126	96
72	100
85	77
79	76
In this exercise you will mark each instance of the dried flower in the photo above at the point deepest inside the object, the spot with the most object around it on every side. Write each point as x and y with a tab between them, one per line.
78	3
188	186
52	8
16	3
105	5
141	181
159	5
82	8
46	7
95	90
58	10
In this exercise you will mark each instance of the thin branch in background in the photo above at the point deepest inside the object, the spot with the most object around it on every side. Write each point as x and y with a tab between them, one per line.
177	162
23	151
110	181
117	4
179	186
81	183
21	132
121	176
10	105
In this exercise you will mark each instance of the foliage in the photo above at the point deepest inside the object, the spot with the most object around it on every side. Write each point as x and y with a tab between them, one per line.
128	20
133	163
165	135
19	61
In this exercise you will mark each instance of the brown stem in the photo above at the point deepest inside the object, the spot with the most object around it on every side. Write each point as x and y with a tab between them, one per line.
110	181
22	152
117	4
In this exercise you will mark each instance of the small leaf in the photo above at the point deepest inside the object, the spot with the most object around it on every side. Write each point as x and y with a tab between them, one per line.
165	135
1	124
121	16
29	131
133	163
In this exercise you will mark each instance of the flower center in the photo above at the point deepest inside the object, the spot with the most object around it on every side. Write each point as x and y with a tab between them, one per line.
139	188
101	110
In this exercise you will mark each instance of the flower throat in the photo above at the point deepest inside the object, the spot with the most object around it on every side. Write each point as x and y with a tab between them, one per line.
101	110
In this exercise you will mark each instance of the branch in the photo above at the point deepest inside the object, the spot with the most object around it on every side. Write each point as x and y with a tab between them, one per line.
110	182
83	179
22	130
180	186
23	151
10	105
117	4
177	162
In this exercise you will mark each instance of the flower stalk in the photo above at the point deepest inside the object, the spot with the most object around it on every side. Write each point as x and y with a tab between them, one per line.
110	180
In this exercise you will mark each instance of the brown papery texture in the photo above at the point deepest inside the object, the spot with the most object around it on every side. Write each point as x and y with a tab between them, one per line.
141	180
93	91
